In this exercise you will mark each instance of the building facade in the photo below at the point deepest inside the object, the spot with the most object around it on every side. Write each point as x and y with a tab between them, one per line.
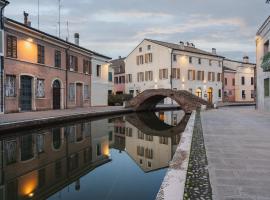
155	64
239	80
263	66
43	72
118	66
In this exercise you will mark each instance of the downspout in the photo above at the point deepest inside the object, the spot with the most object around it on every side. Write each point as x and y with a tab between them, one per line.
67	70
171	69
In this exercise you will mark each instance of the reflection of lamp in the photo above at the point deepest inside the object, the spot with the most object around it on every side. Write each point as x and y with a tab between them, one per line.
29	40
31	194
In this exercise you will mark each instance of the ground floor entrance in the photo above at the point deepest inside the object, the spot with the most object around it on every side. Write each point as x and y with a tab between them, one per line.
210	95
26	93
56	95
79	95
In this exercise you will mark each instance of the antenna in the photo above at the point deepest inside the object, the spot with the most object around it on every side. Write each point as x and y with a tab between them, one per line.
59	18
38	14
67	39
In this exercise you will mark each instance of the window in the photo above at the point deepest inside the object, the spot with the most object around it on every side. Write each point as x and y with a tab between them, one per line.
72	91
219	63
140	77
200	75
10	86
252	94
190	60
10	151
98	148
149	47
191	75
211	76
86	92
233	81
57	59
116	80
41	54
98	70
140	135
73	63
140	49
199	61
148	76
148	58
174	58
252	81
219	93
243	80
129	78
176	73
87	67
266	47
266	87
210	62
148	137
226	81
149	164
40	93
131	92
218	77
163	74
243	94
11	46
163	140
149	153
110	77
140	151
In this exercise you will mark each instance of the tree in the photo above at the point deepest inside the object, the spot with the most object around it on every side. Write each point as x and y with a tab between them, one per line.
267	1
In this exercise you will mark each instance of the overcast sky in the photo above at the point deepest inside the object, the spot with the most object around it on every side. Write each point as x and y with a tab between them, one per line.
115	27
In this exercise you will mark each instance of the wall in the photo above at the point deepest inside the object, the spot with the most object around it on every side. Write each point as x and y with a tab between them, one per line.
229	88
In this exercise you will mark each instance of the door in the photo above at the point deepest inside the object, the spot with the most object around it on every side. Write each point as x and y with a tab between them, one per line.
210	95
56	95
26	93
79	95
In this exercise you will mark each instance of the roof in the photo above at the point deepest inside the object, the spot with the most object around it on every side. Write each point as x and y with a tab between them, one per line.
263	26
229	69
4	1
241	62
179	48
57	38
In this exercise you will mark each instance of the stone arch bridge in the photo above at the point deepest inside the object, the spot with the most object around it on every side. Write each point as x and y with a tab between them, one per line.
148	99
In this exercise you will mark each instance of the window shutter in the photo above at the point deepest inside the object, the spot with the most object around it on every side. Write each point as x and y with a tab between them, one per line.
160	74
194	75
178	73
146	76
202	75
14	47
76	63
209	76
9	46
213	76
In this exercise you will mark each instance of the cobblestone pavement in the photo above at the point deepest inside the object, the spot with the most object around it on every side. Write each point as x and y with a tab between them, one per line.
237	141
197	182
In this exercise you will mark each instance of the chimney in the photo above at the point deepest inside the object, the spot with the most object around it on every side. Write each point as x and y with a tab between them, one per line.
187	44
26	22
182	45
214	51
192	45
246	59
77	38
119	57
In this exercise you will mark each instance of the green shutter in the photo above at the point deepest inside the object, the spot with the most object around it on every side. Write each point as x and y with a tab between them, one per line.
266	62
266	87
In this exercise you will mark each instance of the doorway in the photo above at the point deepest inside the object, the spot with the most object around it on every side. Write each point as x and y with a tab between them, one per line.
56	95
26	93
210	95
79	95
199	92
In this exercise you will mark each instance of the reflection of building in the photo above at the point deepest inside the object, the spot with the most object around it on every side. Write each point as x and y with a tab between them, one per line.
239	84
155	64
263	66
43	163
119	75
117	136
172	118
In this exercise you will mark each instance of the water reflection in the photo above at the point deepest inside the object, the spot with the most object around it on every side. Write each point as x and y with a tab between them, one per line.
41	163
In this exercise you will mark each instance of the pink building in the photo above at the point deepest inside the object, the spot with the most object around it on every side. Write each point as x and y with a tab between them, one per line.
44	72
229	84
119	75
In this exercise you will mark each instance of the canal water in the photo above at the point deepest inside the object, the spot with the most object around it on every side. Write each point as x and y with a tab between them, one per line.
121	157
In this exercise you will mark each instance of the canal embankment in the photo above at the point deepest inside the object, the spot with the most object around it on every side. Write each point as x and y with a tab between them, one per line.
21	121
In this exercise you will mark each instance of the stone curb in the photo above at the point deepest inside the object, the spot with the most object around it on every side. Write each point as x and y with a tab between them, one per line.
173	185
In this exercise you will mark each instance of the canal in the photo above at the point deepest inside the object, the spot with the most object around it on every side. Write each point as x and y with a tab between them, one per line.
121	157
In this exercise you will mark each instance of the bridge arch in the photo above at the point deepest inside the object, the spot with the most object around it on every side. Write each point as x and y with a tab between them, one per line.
148	99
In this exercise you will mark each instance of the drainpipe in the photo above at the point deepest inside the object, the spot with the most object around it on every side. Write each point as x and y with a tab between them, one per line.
171	69
67	70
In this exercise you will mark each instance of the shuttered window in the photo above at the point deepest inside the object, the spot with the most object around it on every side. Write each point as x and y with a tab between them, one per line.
41	54
87	69
57	59
11	46
175	73
266	87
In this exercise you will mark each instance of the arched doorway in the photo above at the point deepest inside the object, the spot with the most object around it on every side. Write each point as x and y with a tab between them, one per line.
26	93
210	95
199	92
56	95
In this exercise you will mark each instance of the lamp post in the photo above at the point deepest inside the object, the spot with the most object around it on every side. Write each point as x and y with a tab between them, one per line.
3	4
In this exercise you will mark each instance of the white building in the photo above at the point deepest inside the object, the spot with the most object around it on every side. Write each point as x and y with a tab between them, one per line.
263	66
242	81
102	82
155	64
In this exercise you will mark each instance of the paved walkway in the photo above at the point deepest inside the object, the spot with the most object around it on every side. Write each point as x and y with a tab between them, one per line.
237	143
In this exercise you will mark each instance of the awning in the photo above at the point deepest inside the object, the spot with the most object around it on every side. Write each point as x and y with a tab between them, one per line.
266	62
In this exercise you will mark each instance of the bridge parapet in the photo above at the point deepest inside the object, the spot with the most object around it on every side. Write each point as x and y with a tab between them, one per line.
148	99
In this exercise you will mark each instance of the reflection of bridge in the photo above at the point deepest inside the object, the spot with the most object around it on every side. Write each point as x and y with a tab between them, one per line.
148	100
150	124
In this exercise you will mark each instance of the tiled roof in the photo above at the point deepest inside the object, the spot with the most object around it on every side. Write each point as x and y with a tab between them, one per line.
185	48
229	69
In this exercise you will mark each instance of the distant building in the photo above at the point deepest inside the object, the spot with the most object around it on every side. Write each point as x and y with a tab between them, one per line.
239	81
155	64
263	66
118	66
44	72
